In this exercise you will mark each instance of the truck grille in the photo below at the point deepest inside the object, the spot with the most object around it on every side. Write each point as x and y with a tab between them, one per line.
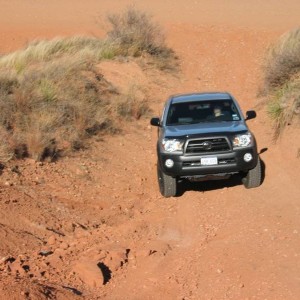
207	145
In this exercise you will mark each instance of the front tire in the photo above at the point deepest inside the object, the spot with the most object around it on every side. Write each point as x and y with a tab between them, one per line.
167	184
253	177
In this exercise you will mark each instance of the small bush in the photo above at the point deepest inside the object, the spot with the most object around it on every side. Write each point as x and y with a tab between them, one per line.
284	105
133	33
132	105
283	60
282	81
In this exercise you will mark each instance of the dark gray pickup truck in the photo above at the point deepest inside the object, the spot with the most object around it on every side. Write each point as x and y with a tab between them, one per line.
203	136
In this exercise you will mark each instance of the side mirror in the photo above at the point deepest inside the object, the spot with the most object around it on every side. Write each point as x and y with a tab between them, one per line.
155	122
250	114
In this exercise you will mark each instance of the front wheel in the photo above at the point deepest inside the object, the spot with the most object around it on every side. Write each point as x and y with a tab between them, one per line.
167	184
253	177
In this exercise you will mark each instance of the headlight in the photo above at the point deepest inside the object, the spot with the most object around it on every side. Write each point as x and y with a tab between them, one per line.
172	145
242	140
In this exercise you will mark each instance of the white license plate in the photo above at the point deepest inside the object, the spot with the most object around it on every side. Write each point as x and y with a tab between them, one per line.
209	161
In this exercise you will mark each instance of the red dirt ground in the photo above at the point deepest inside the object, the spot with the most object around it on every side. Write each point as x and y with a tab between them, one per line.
60	223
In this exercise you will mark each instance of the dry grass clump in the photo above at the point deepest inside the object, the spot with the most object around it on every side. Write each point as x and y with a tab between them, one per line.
134	33
283	60
132	104
6	149
282	80
284	105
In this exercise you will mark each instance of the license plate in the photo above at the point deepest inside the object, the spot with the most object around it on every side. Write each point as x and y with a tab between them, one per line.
209	161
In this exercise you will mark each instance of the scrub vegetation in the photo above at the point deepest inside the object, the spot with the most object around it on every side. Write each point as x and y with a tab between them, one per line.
52	96
134	33
282	80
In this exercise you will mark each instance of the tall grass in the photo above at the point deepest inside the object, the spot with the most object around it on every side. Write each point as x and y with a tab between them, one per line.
45	50
282	81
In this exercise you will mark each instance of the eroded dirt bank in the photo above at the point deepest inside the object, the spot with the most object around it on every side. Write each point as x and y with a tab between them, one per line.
97	217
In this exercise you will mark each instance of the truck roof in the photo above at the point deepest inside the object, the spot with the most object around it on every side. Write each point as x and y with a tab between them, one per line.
200	97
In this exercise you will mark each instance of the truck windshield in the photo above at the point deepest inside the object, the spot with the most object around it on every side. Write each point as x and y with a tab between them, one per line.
202	111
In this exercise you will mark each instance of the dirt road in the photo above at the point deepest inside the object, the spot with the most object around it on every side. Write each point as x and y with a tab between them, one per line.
97	217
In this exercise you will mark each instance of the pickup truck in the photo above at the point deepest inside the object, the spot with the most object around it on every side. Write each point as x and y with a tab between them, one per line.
204	136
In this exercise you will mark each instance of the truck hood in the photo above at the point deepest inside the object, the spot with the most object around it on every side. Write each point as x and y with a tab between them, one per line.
206	129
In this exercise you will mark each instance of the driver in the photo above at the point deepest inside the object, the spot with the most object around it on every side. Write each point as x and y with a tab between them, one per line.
218	111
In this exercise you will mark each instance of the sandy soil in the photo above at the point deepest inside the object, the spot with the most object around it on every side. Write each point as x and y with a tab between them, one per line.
94	226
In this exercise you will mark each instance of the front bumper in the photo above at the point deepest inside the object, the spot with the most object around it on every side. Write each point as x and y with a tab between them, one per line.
190	165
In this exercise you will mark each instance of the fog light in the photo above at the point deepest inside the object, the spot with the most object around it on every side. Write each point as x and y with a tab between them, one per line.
248	157
169	163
